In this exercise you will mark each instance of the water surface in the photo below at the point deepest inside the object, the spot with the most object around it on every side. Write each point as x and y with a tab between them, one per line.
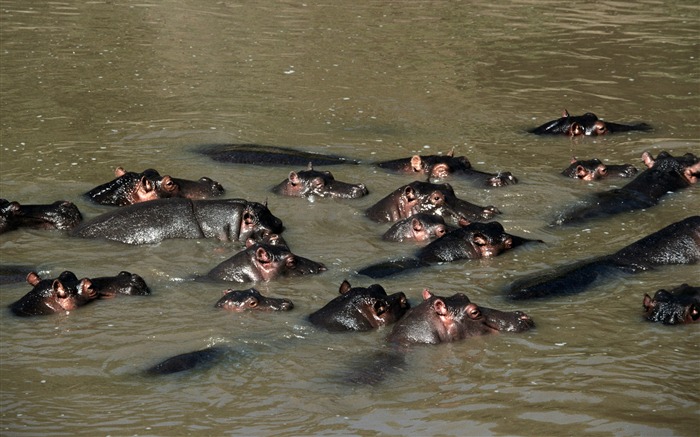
87	87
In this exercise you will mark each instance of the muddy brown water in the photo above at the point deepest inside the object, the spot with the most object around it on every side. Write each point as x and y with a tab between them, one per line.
87	87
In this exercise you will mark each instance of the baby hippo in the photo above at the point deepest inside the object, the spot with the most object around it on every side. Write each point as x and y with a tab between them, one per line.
418	227
680	305
50	296
251	299
309	182
593	170
360	309
445	319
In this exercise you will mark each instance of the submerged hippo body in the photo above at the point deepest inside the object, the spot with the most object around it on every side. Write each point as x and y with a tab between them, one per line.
310	182
438	199
418	227
200	360
131	187
360	309
587	124
664	174
157	220
680	305
258	154
262	262
473	241
678	243
446	319
51	296
594	169
58	215
443	166
251	300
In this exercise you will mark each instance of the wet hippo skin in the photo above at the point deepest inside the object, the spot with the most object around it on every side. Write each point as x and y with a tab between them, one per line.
157	220
677	243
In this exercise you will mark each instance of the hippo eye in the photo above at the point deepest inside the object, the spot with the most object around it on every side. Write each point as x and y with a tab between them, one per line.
603	170
474	313
252	302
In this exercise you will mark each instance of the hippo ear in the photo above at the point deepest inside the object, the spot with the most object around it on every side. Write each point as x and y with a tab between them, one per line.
294	178
647	159
146	185
344	287
33	278
581	172
648	302
416	163
565	114
119	172
409	193
480	240
317	182
440	307
575	130
85	288
252	302
248	217
573	160
310	166
451	153
691	173
416	225
262	255
380	307
58	289
427	294
227	291
440	171
694	312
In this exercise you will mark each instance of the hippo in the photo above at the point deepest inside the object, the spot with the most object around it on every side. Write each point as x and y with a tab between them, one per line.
438	199
594	169
62	215
664	174
124	283
157	220
360	309
418	227
202	359
680	305
263	155
51	296
473	241
587	124
446	319
251	299
443	166
677	243
436	320
131	187
262	262
313	183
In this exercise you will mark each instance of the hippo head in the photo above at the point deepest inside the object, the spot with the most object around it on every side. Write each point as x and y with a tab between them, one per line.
251	299
682	305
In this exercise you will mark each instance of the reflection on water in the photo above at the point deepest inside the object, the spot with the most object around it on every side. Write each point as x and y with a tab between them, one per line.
89	87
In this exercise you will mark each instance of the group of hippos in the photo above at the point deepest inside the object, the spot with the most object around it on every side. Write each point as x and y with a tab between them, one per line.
150	207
